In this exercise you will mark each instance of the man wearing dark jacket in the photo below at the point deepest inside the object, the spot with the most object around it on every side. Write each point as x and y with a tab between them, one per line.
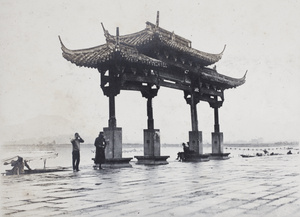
100	144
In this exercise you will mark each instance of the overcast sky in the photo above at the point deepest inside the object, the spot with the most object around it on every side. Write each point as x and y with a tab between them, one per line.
42	94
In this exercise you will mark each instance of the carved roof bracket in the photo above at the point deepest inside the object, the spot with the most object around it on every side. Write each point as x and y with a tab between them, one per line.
188	97
151	91
217	104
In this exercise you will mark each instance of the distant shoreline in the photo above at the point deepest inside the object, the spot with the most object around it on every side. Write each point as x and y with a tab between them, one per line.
133	145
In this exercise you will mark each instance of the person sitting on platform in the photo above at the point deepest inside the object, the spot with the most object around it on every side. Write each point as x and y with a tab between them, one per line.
186	148
181	156
100	144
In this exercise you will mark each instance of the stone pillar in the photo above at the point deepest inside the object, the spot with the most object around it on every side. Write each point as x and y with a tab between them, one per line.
112	122
152	149
195	136
151	136
150	121
110	80
194	117
217	137
216	117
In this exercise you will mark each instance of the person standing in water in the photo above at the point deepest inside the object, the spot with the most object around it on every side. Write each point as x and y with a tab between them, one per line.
76	151
100	144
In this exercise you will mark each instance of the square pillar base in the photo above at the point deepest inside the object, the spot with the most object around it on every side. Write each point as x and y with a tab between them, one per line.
113	137
217	143
217	147
151	142
113	150
195	140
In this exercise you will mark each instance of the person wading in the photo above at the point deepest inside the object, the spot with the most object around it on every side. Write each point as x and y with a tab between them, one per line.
76	151
100	144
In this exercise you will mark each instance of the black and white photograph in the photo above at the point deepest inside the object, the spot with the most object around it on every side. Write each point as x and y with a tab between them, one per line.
150	108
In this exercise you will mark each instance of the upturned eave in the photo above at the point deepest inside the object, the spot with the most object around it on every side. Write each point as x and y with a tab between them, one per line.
223	81
96	56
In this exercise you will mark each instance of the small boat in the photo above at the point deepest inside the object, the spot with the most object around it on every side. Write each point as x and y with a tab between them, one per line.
247	155
19	163
36	171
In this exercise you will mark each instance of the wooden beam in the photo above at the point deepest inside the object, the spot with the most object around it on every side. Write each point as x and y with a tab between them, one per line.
139	78
211	92
174	85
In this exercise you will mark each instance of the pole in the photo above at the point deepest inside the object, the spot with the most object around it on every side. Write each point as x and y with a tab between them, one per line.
150	114
194	114
217	126
112	113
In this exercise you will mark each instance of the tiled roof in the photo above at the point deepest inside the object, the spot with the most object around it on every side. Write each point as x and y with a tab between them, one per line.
93	57
152	34
132	48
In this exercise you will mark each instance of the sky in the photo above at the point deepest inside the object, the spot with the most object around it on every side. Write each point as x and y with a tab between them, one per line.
44	95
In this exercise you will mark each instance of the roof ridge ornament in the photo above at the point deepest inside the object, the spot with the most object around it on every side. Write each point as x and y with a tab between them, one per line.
117	47
106	33
63	47
173	36
157	19
61	43
245	74
223	50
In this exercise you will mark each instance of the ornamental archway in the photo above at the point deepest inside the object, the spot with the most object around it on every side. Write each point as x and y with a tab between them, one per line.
145	61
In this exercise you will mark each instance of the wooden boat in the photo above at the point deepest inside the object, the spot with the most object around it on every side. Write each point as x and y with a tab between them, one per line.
19	166
36	171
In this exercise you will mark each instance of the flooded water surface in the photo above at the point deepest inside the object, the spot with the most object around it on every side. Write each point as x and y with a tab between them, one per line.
257	186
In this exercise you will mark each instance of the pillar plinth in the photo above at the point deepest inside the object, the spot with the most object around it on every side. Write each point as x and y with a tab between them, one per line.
152	149
217	146
196	145
217	143
113	137
113	150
